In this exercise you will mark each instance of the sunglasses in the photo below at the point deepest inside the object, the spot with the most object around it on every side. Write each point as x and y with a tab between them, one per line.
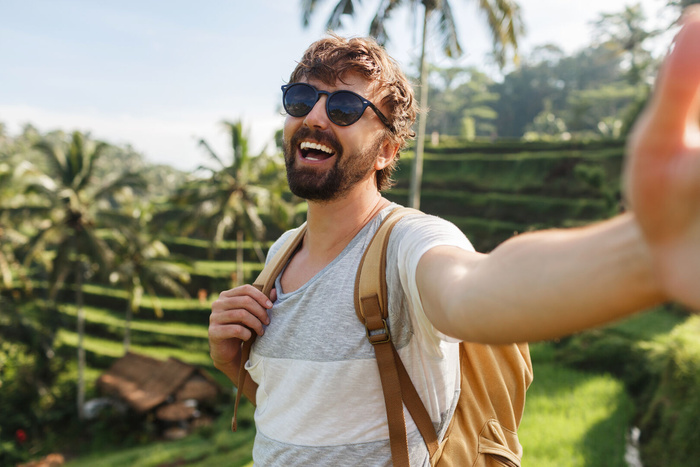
343	107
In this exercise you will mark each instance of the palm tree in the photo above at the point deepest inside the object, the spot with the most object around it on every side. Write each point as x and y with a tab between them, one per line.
8	261
11	237
144	266
624	33
13	213
502	16
78	213
232	197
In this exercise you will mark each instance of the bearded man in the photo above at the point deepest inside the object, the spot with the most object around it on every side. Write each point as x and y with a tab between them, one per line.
350	111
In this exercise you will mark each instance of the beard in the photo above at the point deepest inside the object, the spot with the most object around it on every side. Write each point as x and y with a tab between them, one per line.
312	184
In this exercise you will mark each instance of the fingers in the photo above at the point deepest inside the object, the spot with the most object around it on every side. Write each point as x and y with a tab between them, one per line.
675	105
239	312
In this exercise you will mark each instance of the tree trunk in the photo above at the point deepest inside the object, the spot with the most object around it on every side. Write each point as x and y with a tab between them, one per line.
417	173
81	335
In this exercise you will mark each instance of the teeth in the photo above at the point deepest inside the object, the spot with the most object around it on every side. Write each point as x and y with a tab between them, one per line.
316	146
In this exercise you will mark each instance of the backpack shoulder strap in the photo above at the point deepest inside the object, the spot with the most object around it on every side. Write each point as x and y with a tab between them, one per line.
371	306
265	282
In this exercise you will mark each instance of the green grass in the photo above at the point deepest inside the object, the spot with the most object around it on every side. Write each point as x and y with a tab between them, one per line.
105	317
168	303
210	446
113	349
574	418
223	268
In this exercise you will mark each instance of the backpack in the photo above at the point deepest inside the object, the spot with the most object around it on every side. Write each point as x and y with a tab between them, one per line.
494	378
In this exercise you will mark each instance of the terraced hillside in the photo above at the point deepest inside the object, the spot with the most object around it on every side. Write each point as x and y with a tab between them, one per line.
490	191
493	190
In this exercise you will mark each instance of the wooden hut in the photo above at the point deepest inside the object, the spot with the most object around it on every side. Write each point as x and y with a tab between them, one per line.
174	390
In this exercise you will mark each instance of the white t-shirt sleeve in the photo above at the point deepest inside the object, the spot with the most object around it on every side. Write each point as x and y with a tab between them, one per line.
417	235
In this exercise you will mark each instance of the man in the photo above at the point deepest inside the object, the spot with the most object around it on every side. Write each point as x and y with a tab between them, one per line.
350	110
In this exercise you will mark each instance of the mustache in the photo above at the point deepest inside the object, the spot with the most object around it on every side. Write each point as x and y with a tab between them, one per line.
324	138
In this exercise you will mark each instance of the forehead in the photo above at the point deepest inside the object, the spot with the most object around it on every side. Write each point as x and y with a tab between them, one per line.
349	82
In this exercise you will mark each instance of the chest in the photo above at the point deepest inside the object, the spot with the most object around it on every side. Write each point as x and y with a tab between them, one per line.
300	270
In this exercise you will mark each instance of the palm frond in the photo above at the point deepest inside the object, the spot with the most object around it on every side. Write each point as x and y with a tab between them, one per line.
89	161
55	156
44	186
97	249
448	30
307	10
377	27
258	229
506	26
37	243
76	160
239	142
5	271
343	7
61	267
157	306
167	276
211	152
110	186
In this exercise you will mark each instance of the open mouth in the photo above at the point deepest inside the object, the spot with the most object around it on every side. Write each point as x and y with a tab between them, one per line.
315	151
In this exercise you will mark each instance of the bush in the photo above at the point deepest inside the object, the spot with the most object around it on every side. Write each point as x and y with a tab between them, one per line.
18	402
670	435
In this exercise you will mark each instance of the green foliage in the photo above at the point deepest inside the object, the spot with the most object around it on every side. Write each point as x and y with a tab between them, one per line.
657	357
462	104
547	126
18	390
625	33
592	93
574	418
234	198
494	190
215	445
33	397
669	426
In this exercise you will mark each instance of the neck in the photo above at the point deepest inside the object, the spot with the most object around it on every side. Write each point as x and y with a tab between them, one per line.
332	225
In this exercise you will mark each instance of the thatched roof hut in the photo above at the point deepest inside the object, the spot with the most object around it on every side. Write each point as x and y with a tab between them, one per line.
145	383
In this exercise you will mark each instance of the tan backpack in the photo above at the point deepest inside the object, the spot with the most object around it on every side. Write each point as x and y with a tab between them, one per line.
494	379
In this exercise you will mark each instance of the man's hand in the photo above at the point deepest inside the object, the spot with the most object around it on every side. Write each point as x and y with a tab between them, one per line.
235	315
663	168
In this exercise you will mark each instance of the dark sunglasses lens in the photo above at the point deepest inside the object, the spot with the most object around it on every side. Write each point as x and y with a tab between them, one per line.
299	99
345	108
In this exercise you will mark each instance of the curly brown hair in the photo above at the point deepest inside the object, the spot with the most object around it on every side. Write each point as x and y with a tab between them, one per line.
331	58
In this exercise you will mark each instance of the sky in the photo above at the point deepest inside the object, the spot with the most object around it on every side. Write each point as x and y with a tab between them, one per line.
159	75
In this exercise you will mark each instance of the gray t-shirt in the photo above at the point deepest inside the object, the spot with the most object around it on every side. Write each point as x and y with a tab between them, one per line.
319	400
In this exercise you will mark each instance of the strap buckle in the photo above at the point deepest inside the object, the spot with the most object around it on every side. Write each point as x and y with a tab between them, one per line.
380	336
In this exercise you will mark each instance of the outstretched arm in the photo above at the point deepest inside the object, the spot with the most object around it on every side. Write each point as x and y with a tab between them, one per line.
539	285
552	283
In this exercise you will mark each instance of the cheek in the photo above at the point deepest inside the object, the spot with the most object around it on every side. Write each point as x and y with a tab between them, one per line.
291	125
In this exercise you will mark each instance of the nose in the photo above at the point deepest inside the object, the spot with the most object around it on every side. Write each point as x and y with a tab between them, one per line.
318	118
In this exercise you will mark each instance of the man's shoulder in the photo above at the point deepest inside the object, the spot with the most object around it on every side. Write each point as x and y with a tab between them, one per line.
419	228
279	242
418	220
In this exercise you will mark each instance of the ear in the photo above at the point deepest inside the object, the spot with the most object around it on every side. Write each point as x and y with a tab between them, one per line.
387	153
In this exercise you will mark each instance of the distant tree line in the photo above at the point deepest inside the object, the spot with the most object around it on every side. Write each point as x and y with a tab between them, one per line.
595	92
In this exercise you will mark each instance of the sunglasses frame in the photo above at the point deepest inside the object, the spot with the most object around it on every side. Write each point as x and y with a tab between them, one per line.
329	95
